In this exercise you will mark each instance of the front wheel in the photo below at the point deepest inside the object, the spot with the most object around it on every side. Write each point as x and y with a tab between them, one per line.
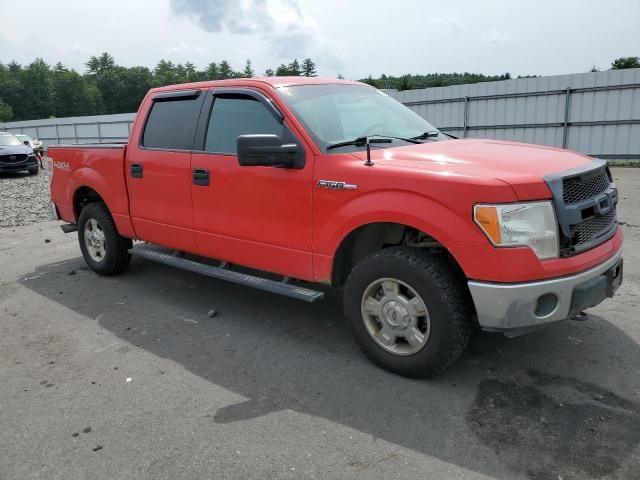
103	248
408	311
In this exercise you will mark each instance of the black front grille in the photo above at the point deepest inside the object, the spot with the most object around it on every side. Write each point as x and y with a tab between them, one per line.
591	229
577	189
17	158
585	199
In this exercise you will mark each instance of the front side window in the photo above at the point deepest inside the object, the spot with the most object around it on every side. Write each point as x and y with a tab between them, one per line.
235	115
171	124
341	113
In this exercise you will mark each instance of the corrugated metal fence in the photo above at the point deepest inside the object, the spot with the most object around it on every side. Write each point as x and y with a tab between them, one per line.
90	129
594	113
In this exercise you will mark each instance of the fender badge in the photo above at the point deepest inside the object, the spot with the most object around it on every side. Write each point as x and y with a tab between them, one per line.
335	185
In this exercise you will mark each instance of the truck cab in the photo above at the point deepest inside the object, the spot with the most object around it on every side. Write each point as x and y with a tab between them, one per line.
334	182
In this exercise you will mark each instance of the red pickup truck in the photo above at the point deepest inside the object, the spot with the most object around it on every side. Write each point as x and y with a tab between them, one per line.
334	182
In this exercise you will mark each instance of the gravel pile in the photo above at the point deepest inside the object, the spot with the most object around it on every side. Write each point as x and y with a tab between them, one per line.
24	199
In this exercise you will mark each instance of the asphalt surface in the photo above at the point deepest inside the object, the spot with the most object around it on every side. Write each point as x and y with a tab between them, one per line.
128	377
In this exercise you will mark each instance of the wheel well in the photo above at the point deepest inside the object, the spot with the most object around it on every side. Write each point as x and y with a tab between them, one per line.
83	197
365	240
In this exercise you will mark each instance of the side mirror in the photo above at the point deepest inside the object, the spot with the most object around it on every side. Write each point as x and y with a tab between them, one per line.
26	142
268	151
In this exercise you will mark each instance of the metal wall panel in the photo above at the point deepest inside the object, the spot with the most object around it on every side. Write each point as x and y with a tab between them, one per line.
90	129
603	120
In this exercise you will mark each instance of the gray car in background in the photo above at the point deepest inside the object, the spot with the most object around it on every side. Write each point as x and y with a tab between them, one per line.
15	156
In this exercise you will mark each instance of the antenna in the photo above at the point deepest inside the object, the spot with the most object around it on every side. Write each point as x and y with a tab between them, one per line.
368	163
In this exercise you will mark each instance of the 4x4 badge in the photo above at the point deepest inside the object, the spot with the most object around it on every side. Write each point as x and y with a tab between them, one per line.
335	185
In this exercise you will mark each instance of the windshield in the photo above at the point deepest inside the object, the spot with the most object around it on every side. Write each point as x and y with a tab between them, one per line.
341	113
24	137
9	140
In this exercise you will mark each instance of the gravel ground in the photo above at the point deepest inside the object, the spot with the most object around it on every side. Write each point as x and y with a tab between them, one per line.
24	199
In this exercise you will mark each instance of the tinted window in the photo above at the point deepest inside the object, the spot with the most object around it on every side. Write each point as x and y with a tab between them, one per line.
233	116
171	124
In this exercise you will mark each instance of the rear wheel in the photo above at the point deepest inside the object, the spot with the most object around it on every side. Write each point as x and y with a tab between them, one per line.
103	248
408	311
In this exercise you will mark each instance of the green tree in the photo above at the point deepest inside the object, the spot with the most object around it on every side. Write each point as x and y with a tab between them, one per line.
212	72
269	72
248	71
100	64
282	70
309	68
225	70
370	81
625	62
6	112
405	83
294	69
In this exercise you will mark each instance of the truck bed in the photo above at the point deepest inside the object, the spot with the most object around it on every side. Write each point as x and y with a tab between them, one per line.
99	165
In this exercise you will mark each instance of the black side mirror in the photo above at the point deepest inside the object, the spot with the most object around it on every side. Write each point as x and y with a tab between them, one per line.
26	142
267	150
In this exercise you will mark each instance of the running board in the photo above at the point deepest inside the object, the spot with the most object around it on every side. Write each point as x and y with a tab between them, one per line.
288	290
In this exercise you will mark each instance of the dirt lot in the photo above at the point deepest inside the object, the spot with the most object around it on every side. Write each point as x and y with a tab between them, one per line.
128	377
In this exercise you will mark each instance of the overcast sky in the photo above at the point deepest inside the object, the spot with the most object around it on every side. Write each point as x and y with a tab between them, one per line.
355	38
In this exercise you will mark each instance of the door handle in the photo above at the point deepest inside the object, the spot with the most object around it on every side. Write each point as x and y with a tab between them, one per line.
200	176
136	170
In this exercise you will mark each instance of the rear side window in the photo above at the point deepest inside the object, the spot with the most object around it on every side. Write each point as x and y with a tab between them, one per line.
171	124
238	115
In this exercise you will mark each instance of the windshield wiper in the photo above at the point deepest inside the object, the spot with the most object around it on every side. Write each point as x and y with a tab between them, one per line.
427	135
364	140
432	134
375	138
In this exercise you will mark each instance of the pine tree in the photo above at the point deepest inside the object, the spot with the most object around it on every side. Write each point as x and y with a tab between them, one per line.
309	68
212	72
294	68
248	70
269	72
225	70
282	70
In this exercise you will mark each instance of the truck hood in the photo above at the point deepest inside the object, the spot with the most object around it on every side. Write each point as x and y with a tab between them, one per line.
520	165
15	150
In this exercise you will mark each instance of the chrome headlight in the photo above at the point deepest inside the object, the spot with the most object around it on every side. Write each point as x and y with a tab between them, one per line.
531	224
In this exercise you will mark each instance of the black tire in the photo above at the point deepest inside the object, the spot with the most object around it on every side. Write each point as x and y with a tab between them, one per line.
34	170
443	292
117	257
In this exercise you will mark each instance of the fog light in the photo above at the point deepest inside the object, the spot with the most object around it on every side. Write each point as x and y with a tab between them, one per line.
546	304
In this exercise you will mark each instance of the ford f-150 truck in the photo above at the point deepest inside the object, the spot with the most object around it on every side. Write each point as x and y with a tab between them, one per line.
334	182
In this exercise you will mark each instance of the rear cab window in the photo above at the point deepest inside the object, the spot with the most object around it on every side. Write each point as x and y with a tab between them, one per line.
171	122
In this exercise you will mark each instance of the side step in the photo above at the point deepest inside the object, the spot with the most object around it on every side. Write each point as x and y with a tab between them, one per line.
288	290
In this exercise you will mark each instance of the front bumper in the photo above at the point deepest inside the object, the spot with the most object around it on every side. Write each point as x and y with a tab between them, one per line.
522	306
29	162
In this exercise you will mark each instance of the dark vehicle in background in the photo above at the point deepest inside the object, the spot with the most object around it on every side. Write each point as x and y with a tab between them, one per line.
15	156
34	143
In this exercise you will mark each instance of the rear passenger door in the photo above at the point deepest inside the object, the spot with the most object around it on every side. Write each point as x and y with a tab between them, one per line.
158	171
258	216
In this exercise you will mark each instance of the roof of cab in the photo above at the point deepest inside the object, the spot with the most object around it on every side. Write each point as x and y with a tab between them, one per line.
273	82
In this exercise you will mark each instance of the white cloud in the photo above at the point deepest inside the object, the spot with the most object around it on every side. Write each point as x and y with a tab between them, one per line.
447	23
494	36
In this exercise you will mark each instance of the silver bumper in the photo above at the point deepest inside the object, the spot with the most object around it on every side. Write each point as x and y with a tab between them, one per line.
505	307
